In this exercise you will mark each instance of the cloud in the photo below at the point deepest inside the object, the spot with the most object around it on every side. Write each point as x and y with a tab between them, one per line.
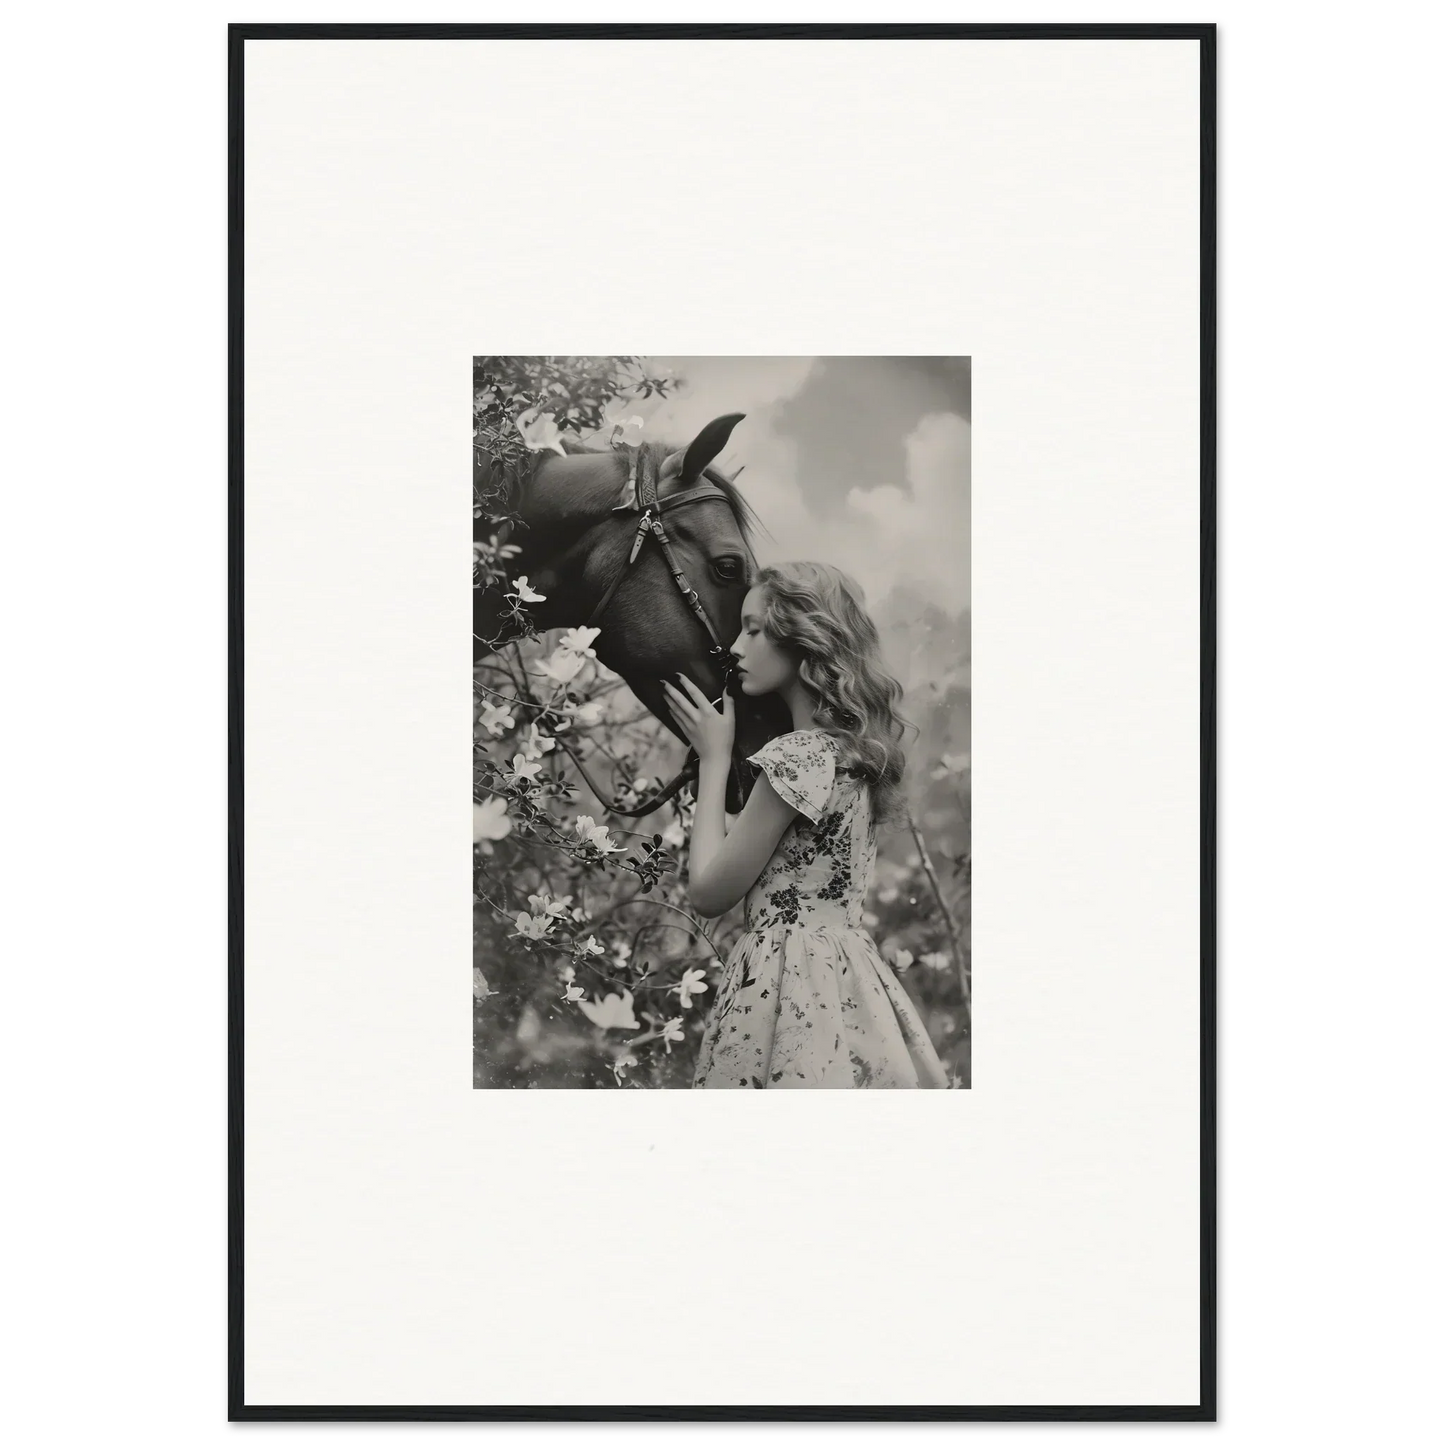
715	385
913	534
919	535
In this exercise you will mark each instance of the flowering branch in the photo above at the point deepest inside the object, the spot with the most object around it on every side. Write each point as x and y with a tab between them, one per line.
954	944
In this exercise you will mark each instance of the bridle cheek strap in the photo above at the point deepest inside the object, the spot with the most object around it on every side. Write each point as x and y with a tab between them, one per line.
641	491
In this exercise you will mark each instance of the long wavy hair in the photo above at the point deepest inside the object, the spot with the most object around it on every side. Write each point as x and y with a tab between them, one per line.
817	616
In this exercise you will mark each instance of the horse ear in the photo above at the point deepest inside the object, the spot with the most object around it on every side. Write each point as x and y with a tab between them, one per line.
706	445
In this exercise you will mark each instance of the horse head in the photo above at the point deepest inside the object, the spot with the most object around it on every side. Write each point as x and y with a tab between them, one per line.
580	527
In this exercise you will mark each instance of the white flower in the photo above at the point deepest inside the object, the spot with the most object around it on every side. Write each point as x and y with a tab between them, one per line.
672	1033
870	919
693	981
888	894
588	714
902	958
621	952
580	640
937	961
490	822
480	988
536	743
522	770
579	915
540	431
562	666
612	1012
531	927
590	948
495	719
674	835
566	973
626	430
596	834
524	592
574	994
545	904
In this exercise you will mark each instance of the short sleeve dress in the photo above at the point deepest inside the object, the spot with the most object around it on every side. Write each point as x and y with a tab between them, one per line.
805	1000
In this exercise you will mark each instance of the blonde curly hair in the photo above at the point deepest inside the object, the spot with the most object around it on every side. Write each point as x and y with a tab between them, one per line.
817	615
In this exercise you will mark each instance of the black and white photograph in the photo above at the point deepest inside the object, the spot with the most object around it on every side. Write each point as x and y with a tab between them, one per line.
722	750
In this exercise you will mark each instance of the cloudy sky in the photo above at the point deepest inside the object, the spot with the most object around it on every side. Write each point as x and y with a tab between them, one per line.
858	461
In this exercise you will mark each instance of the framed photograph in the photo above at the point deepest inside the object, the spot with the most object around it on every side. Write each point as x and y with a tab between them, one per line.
830	410
648	652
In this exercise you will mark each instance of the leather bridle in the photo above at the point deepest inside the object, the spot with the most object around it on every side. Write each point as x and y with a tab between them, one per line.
640	494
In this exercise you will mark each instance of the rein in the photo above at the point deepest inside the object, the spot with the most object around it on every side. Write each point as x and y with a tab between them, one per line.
688	773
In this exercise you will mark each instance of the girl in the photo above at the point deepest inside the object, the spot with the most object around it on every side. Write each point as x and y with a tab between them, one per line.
805	1000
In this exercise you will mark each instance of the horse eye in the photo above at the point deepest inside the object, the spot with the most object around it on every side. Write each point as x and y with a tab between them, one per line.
728	569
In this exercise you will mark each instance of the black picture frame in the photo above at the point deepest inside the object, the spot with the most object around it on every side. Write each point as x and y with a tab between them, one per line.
242	1415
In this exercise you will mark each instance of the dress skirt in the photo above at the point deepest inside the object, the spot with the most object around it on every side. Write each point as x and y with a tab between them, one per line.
809	1007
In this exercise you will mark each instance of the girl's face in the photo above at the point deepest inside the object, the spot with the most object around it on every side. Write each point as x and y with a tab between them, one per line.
763	667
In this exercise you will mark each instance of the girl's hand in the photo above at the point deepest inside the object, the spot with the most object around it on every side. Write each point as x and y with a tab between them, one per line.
709	731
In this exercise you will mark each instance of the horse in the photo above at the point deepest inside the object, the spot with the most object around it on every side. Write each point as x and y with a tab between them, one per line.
596	563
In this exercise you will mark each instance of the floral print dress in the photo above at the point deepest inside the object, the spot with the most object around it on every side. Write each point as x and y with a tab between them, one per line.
805	1001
